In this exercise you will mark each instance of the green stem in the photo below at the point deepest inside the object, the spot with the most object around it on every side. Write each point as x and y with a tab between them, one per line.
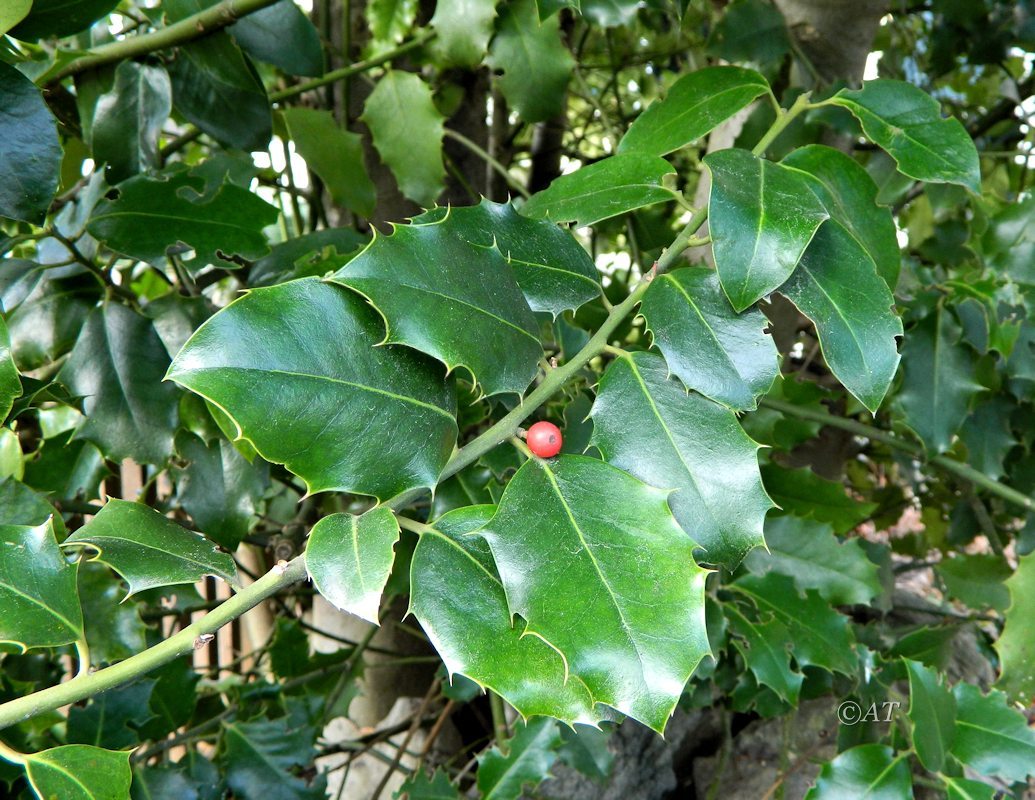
512	182
188	29
10	754
82	651
957	468
181	643
353	69
499	721
783	119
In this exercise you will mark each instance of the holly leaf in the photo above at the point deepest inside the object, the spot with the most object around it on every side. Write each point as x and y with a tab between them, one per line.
150	550
127	121
1016	645
1008	244
803	493
534	62
458	598
810	554
413	152
977	580
296	368
117	367
282	35
574	538
10	382
694	105
872	771
932	715
821	636
765	646
553	270
217	486
113	628
464	28
965	789
80	772
420	787
349	558
907	123
335	154
992	738
713	350
988	437
602	190
836	286
531	751
111	717
850	197
37	589
151	215
938	380
647	424
451	299
29	148
390	20
261	757
762	216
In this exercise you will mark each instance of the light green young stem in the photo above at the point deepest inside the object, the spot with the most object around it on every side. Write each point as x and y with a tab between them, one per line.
958	468
181	643
193	27
783	119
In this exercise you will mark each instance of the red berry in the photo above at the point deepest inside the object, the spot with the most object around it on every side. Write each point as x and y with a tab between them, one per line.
544	439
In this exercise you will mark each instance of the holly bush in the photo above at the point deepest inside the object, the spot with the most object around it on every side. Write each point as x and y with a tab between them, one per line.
314	279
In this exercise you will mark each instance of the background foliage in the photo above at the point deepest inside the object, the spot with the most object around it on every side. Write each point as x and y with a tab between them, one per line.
781	314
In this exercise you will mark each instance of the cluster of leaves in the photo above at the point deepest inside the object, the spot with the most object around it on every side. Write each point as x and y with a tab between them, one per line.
357	405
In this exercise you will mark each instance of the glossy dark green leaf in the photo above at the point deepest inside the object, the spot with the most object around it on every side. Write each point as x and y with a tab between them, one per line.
1009	241
810	554
421	787
413	152
80	772
173	697
535	62
114	628
60	18
172	782
349	558
713	350
530	754
870	771
304	256
762	216
20	505
111	717
647	424
151	215
464	28
117	367
991	737
850	196
836	286
803	493
932	715
261	758
585	749
938	380
574	538
821	636
217	486
451	299
282	35
296	367
10	383
750	30
765	645
602	190
127	121
553	270
1016	645
150	550
37	589
336	155
966	789
216	87
977	580
694	105
29	149
988	437
457	597
906	121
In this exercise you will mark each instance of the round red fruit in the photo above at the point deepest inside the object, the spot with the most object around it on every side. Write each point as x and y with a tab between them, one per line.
544	439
